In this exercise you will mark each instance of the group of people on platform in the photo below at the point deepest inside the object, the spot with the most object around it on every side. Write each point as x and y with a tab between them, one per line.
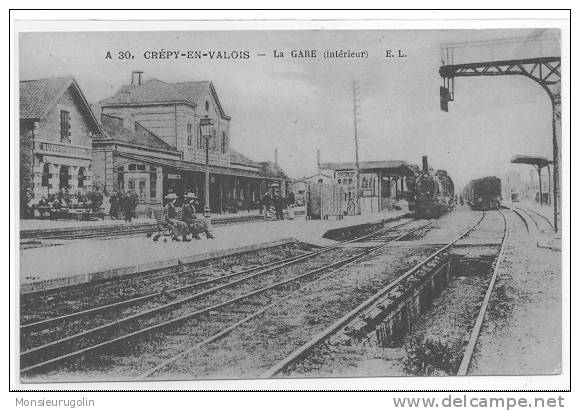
279	203
64	199
189	223
123	202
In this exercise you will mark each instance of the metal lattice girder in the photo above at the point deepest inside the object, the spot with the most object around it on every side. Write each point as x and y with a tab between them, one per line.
543	70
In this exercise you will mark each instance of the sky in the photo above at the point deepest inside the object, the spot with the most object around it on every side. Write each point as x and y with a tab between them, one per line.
300	105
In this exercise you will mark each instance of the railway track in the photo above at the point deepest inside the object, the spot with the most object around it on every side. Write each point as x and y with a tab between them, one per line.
470	348
165	315
536	217
304	350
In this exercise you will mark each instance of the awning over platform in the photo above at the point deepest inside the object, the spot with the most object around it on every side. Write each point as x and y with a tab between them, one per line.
537	161
195	167
397	167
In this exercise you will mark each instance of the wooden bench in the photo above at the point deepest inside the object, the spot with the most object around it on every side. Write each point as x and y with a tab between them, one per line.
163	228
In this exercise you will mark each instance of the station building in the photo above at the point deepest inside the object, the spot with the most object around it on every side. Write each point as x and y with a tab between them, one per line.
57	127
145	138
382	183
153	145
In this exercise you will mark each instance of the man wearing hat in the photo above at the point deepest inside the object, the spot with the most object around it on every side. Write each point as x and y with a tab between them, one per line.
179	227
196	226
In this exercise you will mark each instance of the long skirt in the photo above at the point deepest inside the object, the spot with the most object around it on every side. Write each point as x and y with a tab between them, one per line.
198	226
180	228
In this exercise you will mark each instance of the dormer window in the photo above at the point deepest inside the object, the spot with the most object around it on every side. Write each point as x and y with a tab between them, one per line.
206	105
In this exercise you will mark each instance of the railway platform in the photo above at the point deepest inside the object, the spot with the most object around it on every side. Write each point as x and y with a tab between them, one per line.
69	229
522	330
69	262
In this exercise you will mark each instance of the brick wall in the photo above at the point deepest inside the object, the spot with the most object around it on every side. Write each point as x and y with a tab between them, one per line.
26	163
49	126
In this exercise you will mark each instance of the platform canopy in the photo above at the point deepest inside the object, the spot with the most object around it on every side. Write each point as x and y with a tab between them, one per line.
395	167
537	161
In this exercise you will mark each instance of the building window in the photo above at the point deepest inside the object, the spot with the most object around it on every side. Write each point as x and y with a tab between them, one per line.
206	105
214	143
45	175
199	139
81	177
64	126
64	177
153	185
224	142
189	134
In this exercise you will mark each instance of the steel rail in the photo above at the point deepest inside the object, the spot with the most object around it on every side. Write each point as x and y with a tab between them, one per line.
232	327
522	217
30	354
270	267
525	211
543	217
470	348
307	347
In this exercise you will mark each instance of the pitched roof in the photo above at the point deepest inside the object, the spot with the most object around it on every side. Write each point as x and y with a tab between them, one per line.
156	91
191	90
114	127
271	170
237	157
38	96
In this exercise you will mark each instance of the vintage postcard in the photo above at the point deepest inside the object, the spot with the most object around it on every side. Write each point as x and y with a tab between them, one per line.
248	202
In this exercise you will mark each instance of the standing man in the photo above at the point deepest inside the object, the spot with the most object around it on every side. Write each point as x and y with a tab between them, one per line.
290	200
279	205
266	203
114	202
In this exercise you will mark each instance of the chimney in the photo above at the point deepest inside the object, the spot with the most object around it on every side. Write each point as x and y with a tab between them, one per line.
276	156
318	159
425	164
136	78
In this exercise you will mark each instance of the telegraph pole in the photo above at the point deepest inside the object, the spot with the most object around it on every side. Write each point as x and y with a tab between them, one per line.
357	166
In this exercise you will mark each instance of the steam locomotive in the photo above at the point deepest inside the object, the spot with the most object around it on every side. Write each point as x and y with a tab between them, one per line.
483	193
433	193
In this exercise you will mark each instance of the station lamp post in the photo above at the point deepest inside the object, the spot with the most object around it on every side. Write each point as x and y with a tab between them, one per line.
206	125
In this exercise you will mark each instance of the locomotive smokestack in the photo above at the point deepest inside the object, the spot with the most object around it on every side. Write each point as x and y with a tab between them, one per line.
425	164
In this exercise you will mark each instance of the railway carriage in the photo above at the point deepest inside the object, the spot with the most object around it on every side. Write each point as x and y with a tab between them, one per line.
483	193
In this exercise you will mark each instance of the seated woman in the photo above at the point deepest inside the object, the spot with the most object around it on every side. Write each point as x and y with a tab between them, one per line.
180	228
196	226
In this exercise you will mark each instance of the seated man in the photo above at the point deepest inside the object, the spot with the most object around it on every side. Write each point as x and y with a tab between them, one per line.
196	226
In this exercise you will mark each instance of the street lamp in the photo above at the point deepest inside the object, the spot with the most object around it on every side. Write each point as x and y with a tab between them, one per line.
206	126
